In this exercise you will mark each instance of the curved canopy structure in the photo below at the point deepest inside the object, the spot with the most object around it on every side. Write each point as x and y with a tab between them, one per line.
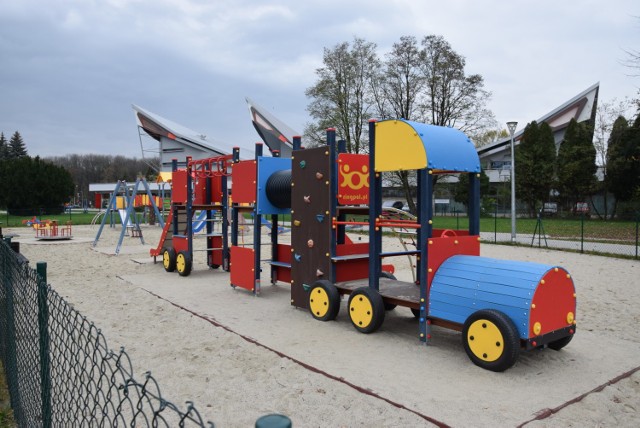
177	141
402	145
275	133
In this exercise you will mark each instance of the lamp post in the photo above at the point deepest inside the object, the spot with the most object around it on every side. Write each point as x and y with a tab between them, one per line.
512	130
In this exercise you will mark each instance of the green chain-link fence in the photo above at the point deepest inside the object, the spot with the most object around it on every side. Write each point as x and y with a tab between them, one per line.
59	369
576	233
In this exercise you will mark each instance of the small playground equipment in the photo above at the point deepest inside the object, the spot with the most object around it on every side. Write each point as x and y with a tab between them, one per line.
201	185
501	307
49	230
123	200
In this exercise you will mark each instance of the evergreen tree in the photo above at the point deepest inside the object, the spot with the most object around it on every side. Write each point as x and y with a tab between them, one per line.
461	190
17	149
46	186
623	161
4	148
576	164
616	164
535	162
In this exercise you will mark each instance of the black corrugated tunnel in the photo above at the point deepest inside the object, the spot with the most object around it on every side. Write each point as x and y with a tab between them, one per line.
279	189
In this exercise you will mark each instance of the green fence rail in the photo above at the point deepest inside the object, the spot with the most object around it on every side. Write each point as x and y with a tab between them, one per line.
59	369
580	233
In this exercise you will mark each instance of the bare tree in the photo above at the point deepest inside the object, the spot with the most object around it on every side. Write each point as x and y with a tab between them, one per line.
424	82
341	98
606	114
453	98
397	90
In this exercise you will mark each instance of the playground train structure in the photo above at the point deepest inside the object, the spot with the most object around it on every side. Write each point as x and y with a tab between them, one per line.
501	307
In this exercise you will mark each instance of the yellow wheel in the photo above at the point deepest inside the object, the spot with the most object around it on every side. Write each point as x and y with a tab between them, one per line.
183	263
366	309
491	340
169	259
324	301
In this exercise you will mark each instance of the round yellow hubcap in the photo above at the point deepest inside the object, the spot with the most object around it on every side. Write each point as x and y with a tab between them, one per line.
165	259
485	340
361	311
319	302
180	263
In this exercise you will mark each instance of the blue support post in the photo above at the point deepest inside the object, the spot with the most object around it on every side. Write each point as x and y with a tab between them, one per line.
333	194
189	208
208	213
174	207
474	203
375	211
297	143
45	359
274	235
234	209
257	226
425	216
342	229
226	255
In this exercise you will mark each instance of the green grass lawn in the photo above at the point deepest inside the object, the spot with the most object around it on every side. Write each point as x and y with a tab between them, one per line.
593	230
6	414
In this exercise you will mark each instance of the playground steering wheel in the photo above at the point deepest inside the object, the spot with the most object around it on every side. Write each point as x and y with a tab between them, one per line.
447	233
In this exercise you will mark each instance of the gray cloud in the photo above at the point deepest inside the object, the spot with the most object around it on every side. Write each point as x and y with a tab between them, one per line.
70	70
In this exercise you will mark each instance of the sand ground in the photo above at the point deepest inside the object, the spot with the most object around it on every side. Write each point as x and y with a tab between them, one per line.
238	356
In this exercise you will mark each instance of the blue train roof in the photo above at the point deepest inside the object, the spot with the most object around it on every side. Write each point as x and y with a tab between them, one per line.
403	145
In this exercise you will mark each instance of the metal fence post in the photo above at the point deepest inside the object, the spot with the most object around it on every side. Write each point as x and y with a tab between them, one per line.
495	224
11	366
582	232
43	327
637	221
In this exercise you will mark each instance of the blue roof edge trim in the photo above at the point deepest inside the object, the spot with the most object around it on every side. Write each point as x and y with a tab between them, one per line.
447	148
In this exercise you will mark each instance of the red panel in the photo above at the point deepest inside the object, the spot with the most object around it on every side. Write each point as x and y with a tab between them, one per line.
283	255
216	189
349	270
353	179
357	248
216	255
179	187
244	182
180	243
552	302
242	268
98	200
441	248
200	190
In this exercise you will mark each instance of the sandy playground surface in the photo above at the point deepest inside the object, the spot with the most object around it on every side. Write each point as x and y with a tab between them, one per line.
238	357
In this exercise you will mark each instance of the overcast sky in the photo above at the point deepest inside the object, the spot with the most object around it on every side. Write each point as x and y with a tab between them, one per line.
70	69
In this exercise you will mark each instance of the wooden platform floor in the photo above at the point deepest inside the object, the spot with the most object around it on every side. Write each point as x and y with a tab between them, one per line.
399	293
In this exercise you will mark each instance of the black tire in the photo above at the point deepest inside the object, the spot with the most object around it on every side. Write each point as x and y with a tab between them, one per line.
557	345
491	340
169	259
324	300
366	309
388	306
183	263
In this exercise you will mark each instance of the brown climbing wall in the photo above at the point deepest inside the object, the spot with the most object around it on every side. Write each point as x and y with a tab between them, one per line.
311	221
